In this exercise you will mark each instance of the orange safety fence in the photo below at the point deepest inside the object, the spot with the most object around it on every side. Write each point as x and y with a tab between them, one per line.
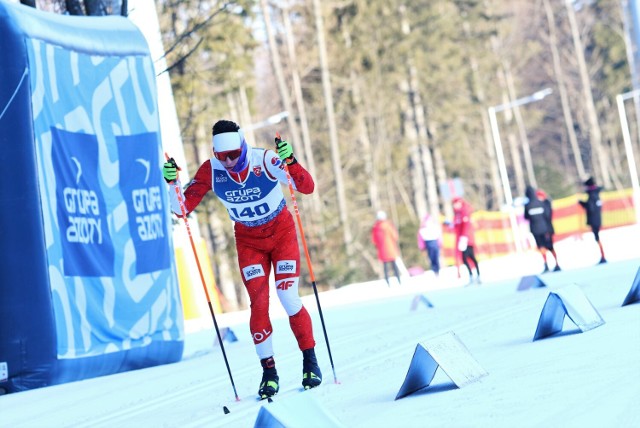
494	236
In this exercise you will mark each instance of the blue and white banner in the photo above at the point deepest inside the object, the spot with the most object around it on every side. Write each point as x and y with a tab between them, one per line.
106	219
143	190
85	226
82	219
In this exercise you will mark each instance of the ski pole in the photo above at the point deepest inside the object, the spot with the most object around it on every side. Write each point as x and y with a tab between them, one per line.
204	284
306	253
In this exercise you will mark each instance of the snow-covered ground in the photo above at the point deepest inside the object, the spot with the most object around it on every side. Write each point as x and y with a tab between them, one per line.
589	379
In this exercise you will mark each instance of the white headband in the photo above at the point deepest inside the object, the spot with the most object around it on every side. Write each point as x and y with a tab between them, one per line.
227	141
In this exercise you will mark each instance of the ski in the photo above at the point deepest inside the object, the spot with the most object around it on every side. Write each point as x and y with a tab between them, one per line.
272	398
296	389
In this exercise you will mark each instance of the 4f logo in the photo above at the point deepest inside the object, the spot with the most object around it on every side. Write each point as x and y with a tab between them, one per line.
285	284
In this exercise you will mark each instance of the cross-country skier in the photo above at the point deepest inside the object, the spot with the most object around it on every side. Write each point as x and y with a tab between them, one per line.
247	181
538	213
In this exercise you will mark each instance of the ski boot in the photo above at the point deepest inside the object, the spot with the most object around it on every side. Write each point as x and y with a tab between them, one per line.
269	385
311	374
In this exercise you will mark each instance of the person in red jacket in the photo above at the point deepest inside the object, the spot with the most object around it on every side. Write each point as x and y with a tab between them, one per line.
465	240
385	237
248	182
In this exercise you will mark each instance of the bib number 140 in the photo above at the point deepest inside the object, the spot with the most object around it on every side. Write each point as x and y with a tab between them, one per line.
250	212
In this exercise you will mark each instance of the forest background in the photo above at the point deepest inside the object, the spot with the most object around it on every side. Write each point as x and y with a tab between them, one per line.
389	100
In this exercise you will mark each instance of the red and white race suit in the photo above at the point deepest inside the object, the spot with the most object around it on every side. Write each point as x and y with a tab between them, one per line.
265	236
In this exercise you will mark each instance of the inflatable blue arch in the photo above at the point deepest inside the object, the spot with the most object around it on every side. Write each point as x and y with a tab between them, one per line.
88	285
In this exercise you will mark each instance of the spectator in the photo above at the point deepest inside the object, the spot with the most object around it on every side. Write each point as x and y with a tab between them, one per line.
538	212
385	237
430	239
593	207
465	239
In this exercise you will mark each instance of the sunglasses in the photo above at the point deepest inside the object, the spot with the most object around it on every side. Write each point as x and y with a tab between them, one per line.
230	154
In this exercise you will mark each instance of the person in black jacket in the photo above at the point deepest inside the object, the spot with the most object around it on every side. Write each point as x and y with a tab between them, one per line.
593	207
539	213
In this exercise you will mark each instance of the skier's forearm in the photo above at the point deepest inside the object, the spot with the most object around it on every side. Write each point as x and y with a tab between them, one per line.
175	188
301	178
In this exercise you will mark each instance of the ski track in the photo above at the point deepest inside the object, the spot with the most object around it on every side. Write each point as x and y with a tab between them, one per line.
393	351
388	331
370	335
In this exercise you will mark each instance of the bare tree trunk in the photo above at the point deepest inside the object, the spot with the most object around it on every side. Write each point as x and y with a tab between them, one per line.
333	132
282	87
441	174
625	11
522	131
515	159
297	88
404	196
233	105
595	134
498	193
416	166
496	186
367	150
427	160
513	149
363	132
381	148
562	88
419	123
245	113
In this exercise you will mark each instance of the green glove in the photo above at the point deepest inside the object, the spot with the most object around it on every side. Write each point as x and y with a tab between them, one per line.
285	151
170	170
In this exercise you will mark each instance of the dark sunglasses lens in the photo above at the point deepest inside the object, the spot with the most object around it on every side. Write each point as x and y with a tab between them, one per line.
232	154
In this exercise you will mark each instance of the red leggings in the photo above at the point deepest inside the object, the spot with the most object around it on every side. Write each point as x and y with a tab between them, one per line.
273	245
